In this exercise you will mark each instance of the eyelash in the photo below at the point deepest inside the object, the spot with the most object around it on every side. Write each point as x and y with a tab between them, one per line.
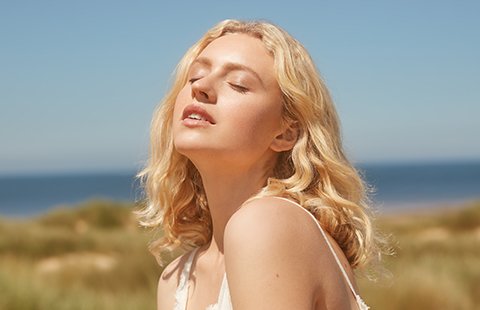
238	88
193	80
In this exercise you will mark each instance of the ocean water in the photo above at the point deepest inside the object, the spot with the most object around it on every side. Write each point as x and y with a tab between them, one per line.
407	186
31	195
397	187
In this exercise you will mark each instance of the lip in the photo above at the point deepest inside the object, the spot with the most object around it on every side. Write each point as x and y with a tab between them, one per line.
196	109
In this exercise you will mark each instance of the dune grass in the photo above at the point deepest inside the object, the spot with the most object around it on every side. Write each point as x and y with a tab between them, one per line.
95	256
437	261
90	257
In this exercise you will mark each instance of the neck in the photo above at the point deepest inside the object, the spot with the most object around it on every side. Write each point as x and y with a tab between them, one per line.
226	191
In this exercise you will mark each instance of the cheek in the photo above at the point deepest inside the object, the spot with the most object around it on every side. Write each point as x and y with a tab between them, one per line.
267	116
259	121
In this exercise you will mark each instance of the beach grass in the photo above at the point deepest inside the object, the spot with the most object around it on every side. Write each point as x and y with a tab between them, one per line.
94	256
436	264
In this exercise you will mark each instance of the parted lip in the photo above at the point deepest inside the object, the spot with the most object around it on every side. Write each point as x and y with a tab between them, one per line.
196	109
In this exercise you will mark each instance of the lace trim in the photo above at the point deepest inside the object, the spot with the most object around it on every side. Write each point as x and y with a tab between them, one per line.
361	304
212	307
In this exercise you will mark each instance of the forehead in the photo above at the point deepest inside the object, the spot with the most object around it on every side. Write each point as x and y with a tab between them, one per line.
241	49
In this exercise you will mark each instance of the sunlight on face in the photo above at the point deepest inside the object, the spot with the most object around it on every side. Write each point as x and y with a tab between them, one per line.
231	106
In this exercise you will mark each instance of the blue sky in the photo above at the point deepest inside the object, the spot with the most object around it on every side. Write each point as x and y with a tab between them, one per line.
79	79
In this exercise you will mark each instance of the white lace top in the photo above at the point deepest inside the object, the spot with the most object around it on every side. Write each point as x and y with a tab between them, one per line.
224	302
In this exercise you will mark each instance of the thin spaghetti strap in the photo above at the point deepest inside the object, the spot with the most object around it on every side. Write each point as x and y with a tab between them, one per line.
328	244
181	294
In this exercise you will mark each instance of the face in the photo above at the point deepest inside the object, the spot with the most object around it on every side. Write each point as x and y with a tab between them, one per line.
231	106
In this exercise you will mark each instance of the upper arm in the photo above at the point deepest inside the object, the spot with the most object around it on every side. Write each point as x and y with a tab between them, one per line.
269	258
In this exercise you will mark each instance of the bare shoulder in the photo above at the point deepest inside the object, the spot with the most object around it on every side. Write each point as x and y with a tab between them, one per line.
272	252
277	258
267	217
168	282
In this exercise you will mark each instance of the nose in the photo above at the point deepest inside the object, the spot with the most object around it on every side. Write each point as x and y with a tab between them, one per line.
203	91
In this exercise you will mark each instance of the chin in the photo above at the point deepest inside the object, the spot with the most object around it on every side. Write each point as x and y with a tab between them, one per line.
190	148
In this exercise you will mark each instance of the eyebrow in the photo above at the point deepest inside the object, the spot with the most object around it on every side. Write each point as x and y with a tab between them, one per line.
230	66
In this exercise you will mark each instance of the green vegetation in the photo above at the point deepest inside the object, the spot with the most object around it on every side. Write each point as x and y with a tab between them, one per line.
95	256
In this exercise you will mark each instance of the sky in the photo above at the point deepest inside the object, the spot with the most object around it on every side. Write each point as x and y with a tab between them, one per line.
79	80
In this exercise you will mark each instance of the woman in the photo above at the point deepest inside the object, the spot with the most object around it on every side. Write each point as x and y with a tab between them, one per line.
247	172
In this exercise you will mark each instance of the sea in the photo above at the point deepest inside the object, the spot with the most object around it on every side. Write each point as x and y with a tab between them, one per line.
395	187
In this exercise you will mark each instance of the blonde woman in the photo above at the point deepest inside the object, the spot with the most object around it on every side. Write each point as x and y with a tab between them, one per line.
247	175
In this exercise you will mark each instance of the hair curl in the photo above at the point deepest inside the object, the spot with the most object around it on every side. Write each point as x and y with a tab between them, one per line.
315	173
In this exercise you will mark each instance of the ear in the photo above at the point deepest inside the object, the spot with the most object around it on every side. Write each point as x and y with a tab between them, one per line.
286	140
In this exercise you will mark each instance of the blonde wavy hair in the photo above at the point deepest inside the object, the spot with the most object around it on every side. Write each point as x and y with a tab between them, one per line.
315	173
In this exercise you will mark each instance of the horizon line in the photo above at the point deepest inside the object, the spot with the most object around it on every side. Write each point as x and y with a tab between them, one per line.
133	171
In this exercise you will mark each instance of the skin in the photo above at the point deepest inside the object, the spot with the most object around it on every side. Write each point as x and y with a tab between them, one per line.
273	253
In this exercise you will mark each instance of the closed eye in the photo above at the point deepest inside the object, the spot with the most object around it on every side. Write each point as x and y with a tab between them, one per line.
239	88
193	80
